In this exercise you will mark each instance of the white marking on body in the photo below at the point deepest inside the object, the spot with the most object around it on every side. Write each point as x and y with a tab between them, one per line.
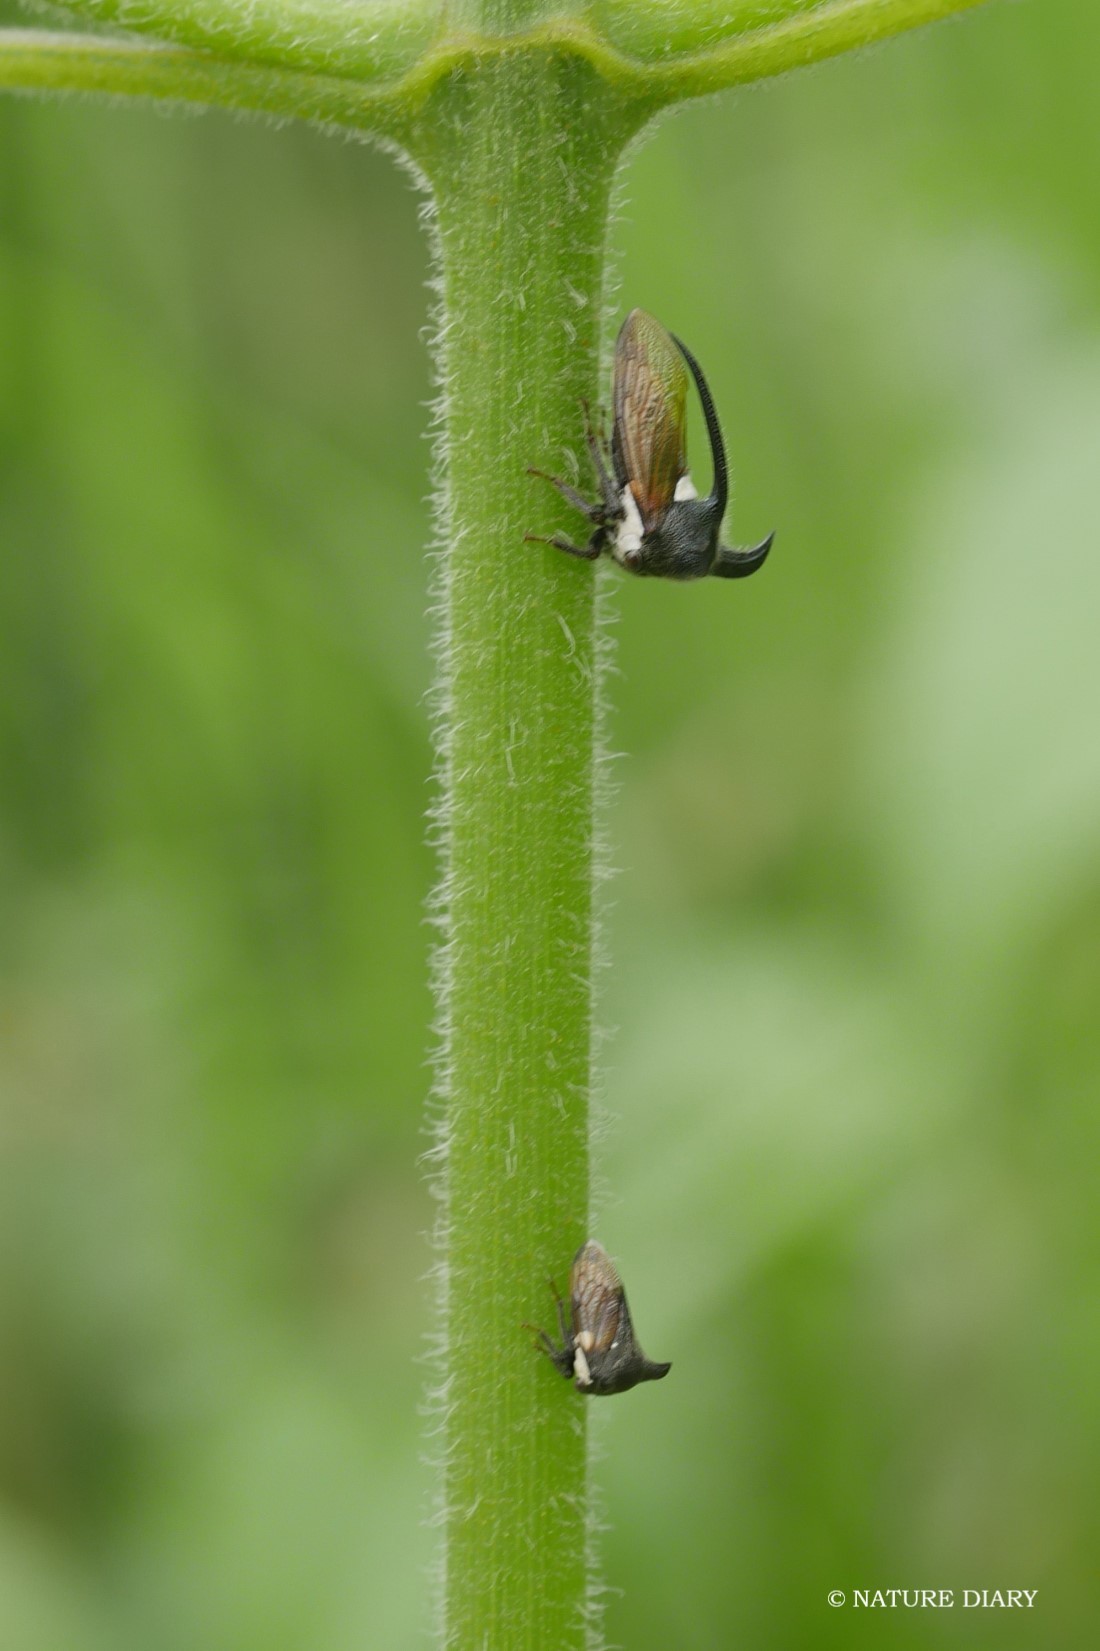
586	1340
580	1368
685	489
629	533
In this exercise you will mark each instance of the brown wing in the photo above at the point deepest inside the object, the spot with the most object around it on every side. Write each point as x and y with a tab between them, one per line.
650	396
596	1297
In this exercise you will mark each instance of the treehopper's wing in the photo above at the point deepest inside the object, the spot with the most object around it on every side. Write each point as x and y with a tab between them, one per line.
596	1298
650	398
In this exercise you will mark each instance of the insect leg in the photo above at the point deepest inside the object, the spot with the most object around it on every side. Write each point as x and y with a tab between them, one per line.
560	1357
587	553
548	1345
566	1331
613	509
594	512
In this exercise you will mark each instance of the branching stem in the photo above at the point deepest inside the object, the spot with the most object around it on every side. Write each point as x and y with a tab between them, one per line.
290	56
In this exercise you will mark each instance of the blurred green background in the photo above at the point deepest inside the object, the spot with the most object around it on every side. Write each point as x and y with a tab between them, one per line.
850	1160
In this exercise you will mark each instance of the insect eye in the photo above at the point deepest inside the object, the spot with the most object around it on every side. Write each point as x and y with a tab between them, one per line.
632	559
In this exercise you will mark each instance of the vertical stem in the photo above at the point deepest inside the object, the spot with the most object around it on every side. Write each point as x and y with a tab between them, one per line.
521	171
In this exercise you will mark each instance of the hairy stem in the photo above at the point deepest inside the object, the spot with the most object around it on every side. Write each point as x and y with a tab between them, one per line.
370	41
522	169
783	39
379	67
32	60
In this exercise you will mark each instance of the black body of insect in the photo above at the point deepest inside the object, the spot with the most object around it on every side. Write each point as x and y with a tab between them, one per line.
599	1352
649	517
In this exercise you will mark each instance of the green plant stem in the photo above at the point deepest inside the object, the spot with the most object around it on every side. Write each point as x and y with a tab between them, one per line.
522	165
661	31
736	58
370	40
32	60
653	51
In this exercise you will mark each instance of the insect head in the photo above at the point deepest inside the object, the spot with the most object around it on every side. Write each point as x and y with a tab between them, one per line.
649	517
599	1351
